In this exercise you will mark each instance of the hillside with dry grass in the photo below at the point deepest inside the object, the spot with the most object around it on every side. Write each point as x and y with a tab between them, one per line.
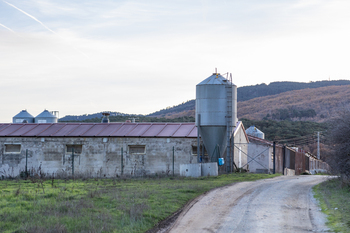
316	104
312	104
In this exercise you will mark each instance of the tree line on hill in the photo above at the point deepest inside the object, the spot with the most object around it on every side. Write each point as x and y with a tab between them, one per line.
279	130
250	92
274	88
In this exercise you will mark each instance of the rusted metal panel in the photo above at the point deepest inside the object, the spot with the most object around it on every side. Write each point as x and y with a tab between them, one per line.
81	129
184	130
10	129
290	158
124	130
99	130
95	130
23	130
65	130
111	128
307	163
279	159
37	130
299	163
3	126
193	132
139	130
154	130
53	128
169	130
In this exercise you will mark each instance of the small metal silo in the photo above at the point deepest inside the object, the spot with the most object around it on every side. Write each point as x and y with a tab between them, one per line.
253	131
46	117
216	113
23	117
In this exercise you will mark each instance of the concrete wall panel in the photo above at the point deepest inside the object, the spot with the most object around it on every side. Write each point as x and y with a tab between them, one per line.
99	156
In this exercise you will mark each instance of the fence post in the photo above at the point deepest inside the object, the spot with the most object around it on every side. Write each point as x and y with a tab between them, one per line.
122	160
173	158
73	161
26	163
284	159
274	157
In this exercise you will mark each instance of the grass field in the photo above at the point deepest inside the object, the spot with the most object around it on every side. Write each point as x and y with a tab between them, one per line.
100	205
335	202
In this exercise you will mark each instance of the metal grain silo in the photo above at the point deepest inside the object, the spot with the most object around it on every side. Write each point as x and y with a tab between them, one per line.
23	117
216	113
46	117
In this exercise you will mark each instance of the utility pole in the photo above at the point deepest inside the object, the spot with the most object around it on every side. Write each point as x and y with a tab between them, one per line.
318	145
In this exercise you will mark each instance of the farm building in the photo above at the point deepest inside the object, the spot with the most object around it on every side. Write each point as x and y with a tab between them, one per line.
289	161
102	149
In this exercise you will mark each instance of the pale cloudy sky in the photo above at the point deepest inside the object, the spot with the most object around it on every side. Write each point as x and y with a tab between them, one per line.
136	56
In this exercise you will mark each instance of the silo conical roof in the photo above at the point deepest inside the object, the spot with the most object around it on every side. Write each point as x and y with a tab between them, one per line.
23	114
23	117
45	114
46	117
214	79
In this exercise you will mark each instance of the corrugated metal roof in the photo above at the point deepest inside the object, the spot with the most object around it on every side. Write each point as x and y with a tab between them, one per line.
10	129
24	129
154	130
80	130
139	130
99	130
169	130
94	130
179	130
111	128
124	130
2	126
52	129
37	130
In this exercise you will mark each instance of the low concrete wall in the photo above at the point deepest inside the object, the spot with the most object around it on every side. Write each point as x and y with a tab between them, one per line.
289	172
190	170
316	171
209	169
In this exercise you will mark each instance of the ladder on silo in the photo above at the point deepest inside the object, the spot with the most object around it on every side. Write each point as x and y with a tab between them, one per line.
229	94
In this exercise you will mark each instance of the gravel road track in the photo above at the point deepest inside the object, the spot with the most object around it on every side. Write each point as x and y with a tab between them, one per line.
282	204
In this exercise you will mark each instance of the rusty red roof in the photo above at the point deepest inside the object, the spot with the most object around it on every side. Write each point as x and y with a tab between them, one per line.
99	130
178	130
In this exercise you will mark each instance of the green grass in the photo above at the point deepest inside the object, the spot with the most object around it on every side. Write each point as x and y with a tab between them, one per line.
100	205
335	202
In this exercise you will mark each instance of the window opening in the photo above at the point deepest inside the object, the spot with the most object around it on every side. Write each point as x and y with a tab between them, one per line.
77	149
12	148
137	149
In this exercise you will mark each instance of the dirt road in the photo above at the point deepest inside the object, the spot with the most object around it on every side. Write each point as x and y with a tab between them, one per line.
282	204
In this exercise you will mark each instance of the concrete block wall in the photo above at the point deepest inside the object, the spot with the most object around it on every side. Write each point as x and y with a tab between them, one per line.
99	156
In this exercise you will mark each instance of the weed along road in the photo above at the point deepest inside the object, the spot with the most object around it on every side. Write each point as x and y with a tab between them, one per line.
281	204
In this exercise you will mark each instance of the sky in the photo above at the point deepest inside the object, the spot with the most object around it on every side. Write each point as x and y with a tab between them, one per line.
137	57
